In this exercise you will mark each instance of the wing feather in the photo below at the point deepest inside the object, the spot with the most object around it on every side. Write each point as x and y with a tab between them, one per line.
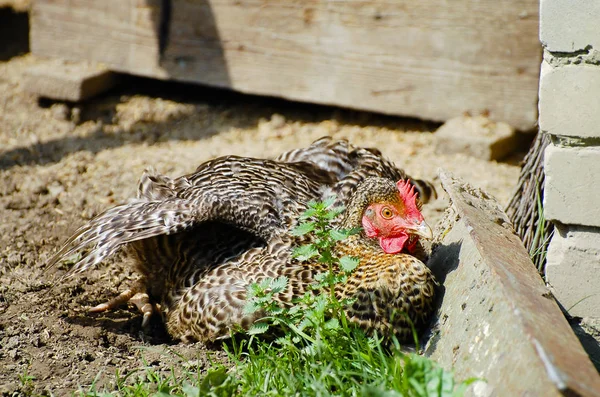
259	196
106	233
263	197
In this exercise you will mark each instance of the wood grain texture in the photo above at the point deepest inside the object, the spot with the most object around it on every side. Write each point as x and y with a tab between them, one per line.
432	59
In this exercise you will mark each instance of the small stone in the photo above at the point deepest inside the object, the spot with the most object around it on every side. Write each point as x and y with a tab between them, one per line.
37	341
12	342
14	258
13	354
476	136
277	121
55	189
76	115
60	111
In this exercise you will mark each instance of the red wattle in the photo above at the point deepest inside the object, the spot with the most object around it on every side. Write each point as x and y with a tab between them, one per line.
392	245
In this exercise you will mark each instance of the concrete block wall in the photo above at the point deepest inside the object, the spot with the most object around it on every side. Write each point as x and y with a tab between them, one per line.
569	111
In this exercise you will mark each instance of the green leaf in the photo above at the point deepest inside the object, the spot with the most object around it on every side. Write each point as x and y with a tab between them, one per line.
266	284
348	263
294	310
326	257
214	378
353	231
251	307
303	229
332	323
259	327
314	204
321	303
308	213
338	235
462	387
276	310
328	202
279	284
305	252
304	324
334	212
254	290
190	391
320	276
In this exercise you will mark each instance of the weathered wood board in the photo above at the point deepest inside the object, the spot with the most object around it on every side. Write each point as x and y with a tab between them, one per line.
432	59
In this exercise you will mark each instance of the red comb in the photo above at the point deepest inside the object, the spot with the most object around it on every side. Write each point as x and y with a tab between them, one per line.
409	196
406	189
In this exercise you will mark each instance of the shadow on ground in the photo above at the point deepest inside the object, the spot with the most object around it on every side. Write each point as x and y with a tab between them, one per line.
103	111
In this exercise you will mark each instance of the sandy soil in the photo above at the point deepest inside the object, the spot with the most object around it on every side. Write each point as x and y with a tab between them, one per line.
60	164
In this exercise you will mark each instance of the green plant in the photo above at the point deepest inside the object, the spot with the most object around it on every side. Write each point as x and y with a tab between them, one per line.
26	379
312	313
541	236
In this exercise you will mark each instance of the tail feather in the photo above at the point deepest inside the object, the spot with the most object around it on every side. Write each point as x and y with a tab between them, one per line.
350	165
325	153
109	231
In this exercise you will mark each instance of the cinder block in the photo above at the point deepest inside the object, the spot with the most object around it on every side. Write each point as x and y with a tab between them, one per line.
572	186
573	269
476	136
569	25
569	100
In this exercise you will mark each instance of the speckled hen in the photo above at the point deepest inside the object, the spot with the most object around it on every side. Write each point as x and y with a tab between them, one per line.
201	239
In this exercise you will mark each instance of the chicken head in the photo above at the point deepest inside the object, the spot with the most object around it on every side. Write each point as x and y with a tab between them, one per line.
396	221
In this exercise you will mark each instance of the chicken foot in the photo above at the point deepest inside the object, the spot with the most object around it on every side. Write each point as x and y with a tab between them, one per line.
141	300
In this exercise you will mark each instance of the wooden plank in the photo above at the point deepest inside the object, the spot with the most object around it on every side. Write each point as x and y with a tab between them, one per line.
497	319
68	80
432	59
119	33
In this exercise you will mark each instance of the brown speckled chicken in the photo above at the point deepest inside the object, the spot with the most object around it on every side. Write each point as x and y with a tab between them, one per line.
200	240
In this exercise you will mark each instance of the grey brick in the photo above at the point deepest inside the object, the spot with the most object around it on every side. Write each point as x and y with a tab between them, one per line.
572	187
573	269
570	100
569	25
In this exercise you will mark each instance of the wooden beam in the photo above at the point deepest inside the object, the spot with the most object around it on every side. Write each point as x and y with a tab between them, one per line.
432	59
68	80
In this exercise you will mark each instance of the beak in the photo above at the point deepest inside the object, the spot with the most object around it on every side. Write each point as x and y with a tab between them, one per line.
422	230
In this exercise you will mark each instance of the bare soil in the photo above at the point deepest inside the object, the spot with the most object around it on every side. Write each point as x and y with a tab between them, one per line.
61	164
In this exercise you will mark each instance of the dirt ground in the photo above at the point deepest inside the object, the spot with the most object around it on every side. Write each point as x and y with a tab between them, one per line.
61	164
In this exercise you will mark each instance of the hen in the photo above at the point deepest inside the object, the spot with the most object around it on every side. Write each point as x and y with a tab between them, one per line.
201	239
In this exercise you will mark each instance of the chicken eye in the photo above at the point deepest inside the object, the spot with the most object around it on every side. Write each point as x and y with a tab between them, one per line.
387	213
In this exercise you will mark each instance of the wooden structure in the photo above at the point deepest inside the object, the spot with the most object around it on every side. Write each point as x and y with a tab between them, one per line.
432	59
